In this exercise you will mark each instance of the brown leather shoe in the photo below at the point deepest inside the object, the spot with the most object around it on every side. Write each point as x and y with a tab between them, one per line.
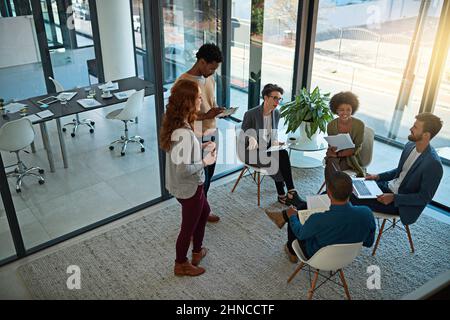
198	256
213	218
292	257
187	269
276	217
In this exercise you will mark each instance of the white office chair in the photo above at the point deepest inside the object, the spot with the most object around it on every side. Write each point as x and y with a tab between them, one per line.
257	172
365	155
15	136
75	122
331	258
127	114
392	219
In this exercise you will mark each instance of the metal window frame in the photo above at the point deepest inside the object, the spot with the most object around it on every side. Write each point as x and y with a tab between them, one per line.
134	40
22	7
224	37
44	52
154	35
304	44
97	42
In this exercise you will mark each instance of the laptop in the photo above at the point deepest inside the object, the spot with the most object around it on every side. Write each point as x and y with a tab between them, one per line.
365	189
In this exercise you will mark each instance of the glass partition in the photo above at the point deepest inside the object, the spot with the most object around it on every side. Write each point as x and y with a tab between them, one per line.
381	52
6	242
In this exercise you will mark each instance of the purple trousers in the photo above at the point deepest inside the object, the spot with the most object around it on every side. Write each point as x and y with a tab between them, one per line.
194	212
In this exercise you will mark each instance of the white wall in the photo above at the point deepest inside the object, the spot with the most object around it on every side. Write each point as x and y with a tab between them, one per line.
18	42
114	20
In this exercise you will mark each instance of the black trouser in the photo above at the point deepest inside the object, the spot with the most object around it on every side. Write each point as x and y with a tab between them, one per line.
286	173
209	173
292	237
209	170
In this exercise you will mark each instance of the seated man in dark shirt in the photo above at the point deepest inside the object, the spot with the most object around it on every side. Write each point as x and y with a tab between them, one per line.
342	223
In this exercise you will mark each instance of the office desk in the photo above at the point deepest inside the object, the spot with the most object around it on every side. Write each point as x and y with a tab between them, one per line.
73	107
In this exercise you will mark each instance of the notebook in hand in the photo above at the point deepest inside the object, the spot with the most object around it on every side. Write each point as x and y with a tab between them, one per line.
365	189
319	203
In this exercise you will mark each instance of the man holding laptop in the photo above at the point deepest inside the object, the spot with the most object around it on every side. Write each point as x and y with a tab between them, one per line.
406	190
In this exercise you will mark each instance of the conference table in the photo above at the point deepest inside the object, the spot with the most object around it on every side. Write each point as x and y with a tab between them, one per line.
72	107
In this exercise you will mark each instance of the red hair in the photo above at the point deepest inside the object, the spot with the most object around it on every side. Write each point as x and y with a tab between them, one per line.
180	109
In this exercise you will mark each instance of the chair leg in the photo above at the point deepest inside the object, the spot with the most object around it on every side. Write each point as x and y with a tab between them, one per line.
239	179
321	187
295	272
409	238
313	285
379	237
344	283
259	187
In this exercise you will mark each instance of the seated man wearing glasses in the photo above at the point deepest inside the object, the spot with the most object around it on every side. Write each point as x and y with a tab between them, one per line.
259	133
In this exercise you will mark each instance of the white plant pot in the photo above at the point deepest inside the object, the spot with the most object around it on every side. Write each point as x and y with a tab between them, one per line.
300	136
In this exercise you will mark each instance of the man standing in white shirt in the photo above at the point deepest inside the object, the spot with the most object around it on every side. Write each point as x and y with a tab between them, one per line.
412	185
209	58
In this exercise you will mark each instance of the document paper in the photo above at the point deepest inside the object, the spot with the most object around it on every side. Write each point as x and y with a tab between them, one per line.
341	141
319	203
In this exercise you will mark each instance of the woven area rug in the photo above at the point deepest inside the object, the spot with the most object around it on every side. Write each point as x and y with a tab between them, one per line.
246	258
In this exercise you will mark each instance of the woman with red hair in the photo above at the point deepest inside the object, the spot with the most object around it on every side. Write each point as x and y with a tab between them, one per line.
185	174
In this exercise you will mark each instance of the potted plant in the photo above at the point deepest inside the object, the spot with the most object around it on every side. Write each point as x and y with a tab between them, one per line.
309	110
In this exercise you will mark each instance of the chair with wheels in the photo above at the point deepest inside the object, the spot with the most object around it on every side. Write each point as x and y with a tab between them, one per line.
75	122
331	259
365	155
15	136
257	172
128	114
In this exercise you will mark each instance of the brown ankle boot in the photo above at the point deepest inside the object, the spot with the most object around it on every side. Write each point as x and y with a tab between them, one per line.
198	256
187	269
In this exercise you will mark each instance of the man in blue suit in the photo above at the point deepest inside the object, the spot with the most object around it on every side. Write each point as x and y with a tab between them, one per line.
342	223
412	185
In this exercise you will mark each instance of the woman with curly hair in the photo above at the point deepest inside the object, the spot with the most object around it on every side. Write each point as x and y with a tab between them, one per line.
185	172
345	104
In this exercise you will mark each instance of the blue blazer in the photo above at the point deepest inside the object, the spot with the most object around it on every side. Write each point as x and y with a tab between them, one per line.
419	185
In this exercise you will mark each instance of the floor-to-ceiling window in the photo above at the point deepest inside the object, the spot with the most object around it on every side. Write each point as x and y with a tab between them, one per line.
381	51
97	182
442	110
6	242
280	23
240	55
73	59
138	20
21	70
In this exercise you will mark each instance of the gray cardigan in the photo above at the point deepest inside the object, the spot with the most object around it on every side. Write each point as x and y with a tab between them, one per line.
254	119
184	165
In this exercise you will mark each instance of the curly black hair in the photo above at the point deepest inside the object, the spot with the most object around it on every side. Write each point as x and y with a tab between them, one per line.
346	97
210	53
270	87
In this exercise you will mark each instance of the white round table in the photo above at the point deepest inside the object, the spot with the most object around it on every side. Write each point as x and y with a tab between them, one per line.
315	149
